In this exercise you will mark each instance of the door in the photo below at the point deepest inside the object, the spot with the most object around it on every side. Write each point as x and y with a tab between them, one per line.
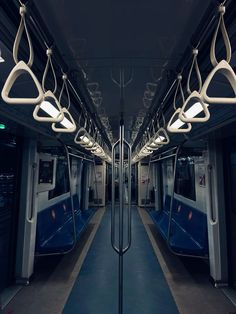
9	192
230	199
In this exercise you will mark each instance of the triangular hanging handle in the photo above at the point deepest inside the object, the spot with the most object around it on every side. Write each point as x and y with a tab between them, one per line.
198	99
18	37
57	118
177	130
225	69
82	132
221	25
19	69
162	133
71	128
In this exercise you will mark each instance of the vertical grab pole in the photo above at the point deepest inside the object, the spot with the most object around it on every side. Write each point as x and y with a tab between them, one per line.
172	195
95	180
148	179
113	197
129	197
121	216
120	249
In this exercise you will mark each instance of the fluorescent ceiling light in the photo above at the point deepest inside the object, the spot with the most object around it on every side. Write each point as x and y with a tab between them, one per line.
159	139
49	109
53	112
66	123
192	112
177	124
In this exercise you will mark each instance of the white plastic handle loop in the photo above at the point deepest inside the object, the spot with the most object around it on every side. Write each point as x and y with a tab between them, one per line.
163	136
225	69
198	107
49	62
18	37
21	68
196	67
221	25
67	129
54	117
172	129
80	136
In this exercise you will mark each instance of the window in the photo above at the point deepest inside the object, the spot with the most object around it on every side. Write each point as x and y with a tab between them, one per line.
62	179
185	178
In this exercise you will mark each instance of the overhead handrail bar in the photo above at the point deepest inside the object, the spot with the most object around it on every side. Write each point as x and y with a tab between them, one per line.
162	155
21	67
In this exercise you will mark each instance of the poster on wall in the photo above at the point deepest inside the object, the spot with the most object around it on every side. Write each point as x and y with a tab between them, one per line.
202	176
99	177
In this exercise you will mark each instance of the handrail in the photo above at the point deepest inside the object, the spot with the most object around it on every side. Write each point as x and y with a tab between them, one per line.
171	210
31	213
72	208
213	218
121	249
129	197
113	198
147	183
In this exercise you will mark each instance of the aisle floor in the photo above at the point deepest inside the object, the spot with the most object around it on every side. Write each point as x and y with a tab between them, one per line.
145	287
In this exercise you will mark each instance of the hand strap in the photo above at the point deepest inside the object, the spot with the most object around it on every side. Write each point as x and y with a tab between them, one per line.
18	37
221	25
199	78
49	62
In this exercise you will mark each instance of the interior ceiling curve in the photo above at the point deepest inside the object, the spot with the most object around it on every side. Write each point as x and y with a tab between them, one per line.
147	38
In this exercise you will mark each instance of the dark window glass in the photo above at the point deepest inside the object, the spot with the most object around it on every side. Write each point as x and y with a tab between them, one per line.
62	179
185	178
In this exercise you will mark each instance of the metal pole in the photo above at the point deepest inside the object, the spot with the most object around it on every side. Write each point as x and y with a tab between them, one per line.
95	180
147	185
121	218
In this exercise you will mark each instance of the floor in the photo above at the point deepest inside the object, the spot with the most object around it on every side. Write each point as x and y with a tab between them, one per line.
63	284
145	287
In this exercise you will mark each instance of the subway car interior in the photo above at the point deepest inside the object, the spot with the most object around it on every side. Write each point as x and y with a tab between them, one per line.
118	157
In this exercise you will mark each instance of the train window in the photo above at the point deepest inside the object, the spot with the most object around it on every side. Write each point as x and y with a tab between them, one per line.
62	179
185	178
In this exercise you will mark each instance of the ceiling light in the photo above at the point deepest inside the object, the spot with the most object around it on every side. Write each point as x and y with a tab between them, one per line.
194	110
52	111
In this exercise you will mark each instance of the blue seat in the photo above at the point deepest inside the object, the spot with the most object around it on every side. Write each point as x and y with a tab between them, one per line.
188	228
55	229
